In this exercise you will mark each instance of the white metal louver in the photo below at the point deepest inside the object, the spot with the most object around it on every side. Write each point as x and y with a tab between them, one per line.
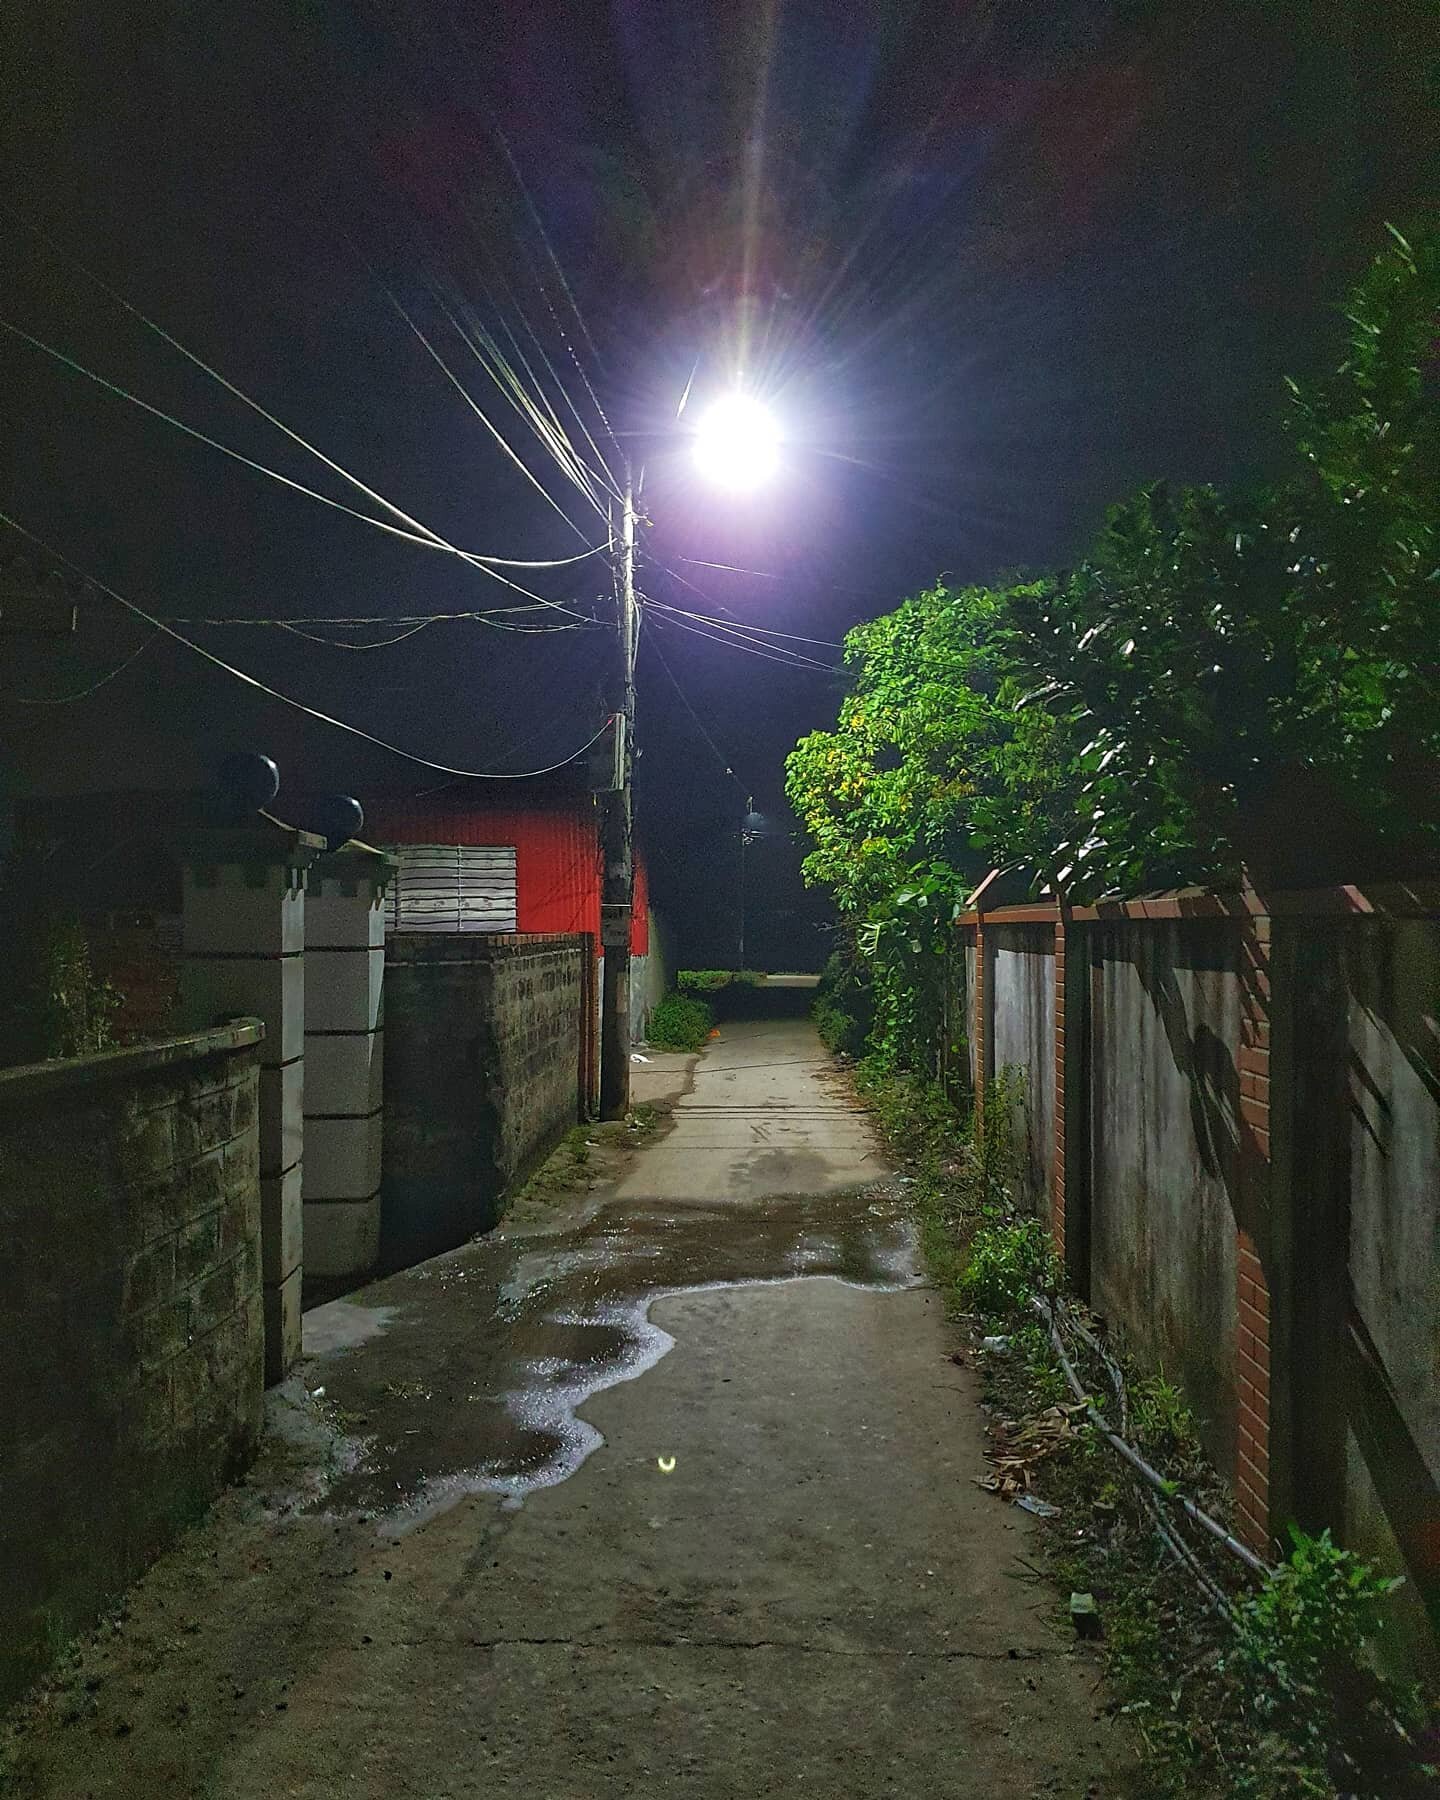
452	887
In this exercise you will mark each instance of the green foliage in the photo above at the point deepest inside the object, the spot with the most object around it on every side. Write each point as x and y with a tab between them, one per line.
1223	680
1300	1647
844	1003
1009	1263
925	731
57	1005
917	1122
1311	1617
680	1022
1285	1707
712	981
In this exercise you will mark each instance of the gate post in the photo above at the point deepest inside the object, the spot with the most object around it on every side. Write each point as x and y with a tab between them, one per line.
1255	1245
243	938
345	952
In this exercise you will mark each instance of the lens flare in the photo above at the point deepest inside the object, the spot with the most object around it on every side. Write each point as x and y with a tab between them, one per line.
737	442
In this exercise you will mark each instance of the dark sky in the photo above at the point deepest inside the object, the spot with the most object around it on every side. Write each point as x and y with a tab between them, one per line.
999	263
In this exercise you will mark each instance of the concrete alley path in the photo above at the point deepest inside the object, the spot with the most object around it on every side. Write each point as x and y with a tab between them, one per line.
666	1493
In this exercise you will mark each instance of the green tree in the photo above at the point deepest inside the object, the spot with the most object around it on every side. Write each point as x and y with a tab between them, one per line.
1225	682
1253	679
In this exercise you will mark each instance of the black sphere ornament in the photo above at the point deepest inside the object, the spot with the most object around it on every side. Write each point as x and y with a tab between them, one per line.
248	783
338	818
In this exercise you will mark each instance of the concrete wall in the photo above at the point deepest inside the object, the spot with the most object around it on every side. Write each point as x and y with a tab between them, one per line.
131	1355
650	977
1022	1037
1364	1148
483	1058
1164	1136
1244	1179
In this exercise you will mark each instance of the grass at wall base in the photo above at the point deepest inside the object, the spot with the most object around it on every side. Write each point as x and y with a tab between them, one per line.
1285	1701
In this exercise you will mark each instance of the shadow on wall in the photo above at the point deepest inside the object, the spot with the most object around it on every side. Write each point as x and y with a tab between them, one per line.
1165	1155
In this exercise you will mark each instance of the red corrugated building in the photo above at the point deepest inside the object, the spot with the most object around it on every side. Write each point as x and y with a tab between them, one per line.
556	842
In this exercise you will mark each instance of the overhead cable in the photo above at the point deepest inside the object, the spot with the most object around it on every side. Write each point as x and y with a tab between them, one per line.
429	540
85	692
787	660
546	425
286	699
280	425
718	753
764	631
484	419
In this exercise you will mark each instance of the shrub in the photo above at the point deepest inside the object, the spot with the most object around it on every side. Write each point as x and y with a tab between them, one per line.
844	1010
680	1023
1008	1263
54	1002
1302	1649
712	981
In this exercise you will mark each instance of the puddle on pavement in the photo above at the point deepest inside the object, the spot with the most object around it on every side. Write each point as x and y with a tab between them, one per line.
476	1382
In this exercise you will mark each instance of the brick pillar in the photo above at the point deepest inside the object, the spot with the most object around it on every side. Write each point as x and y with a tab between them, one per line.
1057	1169
344	972
1253	1244
243	937
980	1020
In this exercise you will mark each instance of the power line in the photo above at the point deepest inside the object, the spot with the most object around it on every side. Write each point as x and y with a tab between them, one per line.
718	753
340	644
279	424
495	433
786	659
697	562
547	426
286	699
484	616
738	636
83	693
762	631
429	541
566	289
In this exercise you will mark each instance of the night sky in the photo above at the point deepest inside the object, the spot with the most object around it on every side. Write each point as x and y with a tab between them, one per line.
995	265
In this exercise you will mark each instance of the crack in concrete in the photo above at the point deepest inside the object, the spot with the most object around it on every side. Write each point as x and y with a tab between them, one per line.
1030	1654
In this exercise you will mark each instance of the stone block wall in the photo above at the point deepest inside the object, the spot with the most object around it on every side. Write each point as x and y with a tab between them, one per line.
131	1360
484	1048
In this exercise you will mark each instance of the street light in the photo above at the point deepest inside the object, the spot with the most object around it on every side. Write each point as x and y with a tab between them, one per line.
737	442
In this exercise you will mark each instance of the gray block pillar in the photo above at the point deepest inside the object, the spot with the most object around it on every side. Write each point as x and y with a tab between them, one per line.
344	972
243	935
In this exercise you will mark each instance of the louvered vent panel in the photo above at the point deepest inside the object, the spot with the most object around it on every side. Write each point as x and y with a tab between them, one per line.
453	887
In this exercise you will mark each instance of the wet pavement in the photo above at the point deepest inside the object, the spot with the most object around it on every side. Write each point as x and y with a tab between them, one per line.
498	1346
670	1489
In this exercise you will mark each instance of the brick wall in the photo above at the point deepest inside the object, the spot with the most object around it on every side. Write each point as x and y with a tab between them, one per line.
1057	1168
130	1291
1245	1161
1253	1239
484	1050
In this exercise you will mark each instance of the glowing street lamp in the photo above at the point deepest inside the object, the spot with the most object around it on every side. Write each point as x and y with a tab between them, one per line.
737	442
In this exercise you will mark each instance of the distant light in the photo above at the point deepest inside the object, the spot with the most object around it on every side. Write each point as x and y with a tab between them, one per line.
666	1464
737	442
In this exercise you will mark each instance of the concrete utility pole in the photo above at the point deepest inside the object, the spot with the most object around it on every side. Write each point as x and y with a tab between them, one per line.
617	893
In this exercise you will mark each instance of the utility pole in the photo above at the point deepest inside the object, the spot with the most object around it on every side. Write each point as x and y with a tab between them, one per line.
744	842
617	893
